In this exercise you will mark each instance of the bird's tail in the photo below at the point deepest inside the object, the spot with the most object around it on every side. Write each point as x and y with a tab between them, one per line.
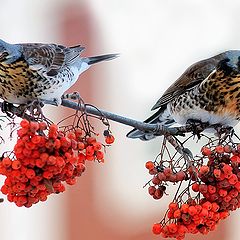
96	59
161	117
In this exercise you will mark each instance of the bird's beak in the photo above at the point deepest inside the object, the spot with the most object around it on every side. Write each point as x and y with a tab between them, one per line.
3	56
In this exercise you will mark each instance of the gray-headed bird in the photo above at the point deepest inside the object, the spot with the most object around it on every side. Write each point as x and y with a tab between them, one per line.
208	91
43	72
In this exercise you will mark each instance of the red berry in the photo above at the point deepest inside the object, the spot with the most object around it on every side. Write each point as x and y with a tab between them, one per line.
156	180
206	151
151	190
177	214
109	139
30	173
149	165
78	132
195	187
51	160
224	215
47	175
207	205
204	213
6	162
204	170
235	159
162	176
81	145
91	140
36	139
71	181
184	208
172	228
227	149
233	179
100	156
180	176
157	228
53	128
192	210
215	207
34	126
71	135
42	126
211	189
16	164
219	149
217	173
97	146
203	188
172	178
89	150
158	194
24	123
173	206
227	169
167	171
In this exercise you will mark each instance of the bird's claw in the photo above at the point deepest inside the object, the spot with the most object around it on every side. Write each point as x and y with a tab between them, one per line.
224	131
6	107
72	96
196	126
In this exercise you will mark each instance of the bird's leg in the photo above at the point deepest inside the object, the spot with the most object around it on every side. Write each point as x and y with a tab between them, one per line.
196	126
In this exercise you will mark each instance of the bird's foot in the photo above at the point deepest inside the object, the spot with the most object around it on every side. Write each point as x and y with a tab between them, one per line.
196	126
224	131
34	107
6	107
72	96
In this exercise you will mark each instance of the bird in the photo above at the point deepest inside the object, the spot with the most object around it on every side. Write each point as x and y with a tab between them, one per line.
41	72
208	92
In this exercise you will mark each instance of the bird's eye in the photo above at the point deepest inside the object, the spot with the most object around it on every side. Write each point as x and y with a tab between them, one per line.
199	75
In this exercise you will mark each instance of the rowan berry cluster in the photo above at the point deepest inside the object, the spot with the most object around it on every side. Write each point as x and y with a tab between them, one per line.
44	158
220	177
161	175
213	190
190	217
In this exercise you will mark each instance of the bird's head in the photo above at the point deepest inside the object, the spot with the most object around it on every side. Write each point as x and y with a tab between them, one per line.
9	52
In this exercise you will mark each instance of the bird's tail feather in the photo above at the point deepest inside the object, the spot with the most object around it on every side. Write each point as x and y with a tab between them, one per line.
96	59
161	117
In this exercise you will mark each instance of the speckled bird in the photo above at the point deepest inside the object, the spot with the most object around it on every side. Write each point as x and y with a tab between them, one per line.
36	71
208	91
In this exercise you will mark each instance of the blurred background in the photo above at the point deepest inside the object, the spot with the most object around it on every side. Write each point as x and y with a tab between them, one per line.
158	40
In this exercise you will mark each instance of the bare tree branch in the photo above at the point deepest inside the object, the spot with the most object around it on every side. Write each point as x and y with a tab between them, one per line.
157	129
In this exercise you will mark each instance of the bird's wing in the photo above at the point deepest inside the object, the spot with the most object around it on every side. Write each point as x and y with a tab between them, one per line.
49	58
193	76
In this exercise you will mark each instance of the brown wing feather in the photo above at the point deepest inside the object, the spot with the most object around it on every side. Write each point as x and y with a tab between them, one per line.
193	76
50	57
